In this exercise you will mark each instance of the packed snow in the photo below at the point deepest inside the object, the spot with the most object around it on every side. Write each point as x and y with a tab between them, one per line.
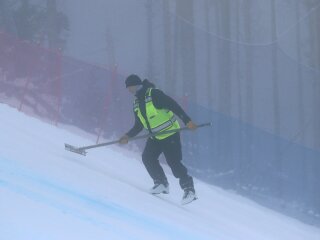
49	193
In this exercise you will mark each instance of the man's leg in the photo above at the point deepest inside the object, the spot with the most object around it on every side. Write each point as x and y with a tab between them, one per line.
150	160
172	151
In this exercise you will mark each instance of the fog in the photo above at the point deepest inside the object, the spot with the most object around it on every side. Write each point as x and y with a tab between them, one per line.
252	68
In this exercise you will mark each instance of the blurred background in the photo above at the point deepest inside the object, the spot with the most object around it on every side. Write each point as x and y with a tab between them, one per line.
252	68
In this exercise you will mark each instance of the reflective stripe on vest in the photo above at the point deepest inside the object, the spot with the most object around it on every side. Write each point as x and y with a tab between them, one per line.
159	119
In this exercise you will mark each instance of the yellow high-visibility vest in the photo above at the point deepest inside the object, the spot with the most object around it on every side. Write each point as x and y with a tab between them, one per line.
159	119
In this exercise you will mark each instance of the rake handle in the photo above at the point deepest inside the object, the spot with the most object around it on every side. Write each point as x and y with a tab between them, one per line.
144	136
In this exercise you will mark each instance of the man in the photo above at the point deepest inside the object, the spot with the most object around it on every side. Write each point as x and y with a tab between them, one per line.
155	111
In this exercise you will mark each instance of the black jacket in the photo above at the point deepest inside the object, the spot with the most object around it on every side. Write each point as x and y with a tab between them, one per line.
160	101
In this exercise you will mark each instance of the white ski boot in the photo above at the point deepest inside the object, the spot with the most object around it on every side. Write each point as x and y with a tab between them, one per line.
159	188
188	196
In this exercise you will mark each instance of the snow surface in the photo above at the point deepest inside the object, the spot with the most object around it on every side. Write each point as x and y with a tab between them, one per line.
49	193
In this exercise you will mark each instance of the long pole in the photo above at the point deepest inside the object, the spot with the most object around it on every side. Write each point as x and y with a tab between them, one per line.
82	151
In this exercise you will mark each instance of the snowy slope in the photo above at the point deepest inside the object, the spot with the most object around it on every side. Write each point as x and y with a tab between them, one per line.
49	193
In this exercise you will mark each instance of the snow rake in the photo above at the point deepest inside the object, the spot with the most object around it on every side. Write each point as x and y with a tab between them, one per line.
82	150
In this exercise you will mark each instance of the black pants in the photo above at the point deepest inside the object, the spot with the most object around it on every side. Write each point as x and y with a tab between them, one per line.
171	148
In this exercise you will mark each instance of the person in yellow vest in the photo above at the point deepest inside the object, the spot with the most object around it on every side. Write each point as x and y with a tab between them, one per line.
156	112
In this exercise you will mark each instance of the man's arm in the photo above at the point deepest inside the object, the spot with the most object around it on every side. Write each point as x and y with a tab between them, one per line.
161	100
133	131
136	128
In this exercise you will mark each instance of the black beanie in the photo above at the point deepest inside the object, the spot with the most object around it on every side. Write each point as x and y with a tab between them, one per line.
133	80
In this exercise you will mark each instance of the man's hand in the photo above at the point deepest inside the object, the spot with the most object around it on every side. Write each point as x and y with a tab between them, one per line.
191	125
124	139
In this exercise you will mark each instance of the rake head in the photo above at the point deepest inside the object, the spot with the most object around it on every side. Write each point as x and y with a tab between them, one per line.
71	148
